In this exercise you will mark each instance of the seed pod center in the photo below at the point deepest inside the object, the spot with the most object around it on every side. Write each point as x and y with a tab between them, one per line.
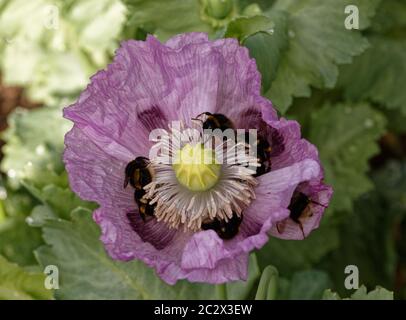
196	167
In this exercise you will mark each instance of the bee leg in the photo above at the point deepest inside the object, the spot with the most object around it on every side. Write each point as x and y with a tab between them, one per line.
142	212
301	228
279	227
318	204
196	119
129	172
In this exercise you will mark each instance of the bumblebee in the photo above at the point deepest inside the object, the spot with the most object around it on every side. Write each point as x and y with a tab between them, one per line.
300	210
263	154
138	174
225	229
220	121
215	121
145	209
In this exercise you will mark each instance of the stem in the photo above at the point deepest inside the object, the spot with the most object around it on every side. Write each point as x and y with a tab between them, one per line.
221	291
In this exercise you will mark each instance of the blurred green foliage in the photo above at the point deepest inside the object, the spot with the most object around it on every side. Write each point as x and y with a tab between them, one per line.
344	86
17	283
52	46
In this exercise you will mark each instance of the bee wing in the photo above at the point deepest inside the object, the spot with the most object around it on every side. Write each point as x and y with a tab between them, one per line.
307	213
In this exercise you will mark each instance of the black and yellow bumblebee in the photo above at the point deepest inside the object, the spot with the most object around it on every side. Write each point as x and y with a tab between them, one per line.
215	121
300	210
225	229
138	173
263	155
220	121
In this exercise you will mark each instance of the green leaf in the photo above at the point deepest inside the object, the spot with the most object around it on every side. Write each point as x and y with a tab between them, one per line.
318	43
361	294
373	78
376	79
2	214
18	284
263	4
242	290
165	18
17	239
266	38
34	144
243	27
346	137
268	285
390	15
367	235
63	201
308	285
60	201
378	294
289	256
96	24
366	241
390	182
330	295
86	271
39	216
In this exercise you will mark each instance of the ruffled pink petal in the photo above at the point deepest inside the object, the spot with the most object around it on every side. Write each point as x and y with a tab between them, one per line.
238	81
122	243
289	229
295	148
96	167
207	250
179	41
148	85
273	195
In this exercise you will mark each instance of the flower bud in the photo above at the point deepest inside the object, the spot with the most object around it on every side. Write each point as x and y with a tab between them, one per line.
218	9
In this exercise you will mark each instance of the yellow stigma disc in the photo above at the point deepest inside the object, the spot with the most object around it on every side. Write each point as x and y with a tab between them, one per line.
196	168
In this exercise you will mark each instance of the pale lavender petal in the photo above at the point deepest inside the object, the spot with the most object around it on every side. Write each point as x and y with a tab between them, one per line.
295	148
273	195
289	229
148	85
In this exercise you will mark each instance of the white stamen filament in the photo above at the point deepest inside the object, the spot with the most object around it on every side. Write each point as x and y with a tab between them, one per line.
180	207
